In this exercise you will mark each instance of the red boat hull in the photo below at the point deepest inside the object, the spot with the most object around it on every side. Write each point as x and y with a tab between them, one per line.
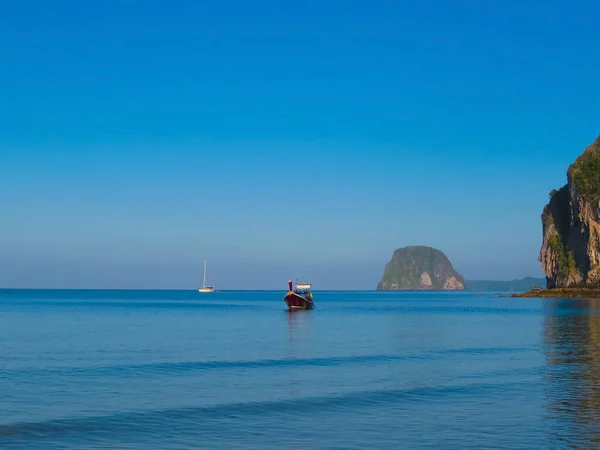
295	301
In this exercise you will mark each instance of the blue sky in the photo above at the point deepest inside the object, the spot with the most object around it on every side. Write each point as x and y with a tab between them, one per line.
284	139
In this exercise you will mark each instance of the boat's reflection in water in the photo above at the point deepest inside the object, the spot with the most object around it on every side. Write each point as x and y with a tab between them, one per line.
572	375
298	322
298	344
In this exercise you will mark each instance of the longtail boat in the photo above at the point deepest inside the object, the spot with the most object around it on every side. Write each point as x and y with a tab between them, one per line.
300	297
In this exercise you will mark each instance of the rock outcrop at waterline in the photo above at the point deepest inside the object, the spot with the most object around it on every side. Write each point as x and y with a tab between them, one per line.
570	253
420	267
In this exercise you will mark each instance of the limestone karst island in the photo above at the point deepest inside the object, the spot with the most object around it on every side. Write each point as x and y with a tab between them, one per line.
420	267
570	253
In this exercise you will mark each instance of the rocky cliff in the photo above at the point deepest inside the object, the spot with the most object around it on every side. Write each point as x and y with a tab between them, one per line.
570	253
420	267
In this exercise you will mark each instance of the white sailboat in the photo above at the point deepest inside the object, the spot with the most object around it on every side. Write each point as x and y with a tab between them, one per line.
204	287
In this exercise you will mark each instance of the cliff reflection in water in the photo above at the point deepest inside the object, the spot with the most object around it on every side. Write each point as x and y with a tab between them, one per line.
572	377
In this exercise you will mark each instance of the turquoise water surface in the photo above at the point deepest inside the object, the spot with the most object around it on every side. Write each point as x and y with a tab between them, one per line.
232	369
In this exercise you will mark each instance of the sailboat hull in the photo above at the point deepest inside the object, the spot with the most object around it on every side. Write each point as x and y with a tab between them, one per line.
206	289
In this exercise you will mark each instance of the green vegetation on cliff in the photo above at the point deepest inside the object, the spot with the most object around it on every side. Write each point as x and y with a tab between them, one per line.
564	258
420	267
585	172
587	177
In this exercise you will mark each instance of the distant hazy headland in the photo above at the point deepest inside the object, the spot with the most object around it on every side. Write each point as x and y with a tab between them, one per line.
524	284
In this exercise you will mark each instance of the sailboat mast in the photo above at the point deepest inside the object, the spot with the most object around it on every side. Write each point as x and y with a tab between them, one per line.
204	279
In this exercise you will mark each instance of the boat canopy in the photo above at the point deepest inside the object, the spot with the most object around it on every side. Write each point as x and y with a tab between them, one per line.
303	286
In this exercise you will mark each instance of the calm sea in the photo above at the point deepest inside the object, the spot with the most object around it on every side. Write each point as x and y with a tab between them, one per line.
183	370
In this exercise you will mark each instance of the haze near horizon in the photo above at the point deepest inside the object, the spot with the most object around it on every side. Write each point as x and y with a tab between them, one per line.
299	140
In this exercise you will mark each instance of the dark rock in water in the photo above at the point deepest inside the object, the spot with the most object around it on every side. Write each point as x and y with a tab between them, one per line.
420	267
570	253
